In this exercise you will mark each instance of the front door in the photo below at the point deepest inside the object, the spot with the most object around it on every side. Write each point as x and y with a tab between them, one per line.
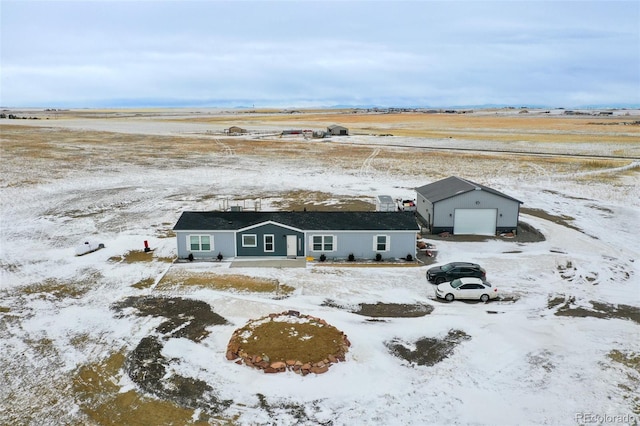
292	246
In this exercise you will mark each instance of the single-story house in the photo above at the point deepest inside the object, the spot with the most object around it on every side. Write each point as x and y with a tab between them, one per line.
310	234
336	130
462	207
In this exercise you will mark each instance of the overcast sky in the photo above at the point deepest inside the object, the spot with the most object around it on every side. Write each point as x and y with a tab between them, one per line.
319	53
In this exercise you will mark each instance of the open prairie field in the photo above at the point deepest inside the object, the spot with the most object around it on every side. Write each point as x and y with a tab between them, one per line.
123	336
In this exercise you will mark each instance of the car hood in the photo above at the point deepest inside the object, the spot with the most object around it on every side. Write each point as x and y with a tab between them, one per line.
444	287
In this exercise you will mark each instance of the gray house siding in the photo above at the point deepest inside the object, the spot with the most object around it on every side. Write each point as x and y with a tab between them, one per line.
424	208
361	244
444	210
222	242
449	204
279	240
358	243
205	234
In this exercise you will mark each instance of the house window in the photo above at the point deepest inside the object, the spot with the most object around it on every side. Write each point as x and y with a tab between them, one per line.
269	243
200	243
381	243
250	240
322	242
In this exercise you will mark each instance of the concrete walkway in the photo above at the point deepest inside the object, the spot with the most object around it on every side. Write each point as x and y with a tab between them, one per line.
261	262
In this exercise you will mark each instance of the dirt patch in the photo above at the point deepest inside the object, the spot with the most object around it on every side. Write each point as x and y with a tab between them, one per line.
428	351
558	220
569	272
146	366
554	301
597	310
394	310
302	413
185	317
384	310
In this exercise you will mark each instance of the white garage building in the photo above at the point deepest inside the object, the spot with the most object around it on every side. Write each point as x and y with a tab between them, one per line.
463	207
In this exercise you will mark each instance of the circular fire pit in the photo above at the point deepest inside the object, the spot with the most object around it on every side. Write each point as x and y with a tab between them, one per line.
288	341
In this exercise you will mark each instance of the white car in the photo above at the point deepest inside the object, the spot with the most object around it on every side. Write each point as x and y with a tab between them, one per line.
466	288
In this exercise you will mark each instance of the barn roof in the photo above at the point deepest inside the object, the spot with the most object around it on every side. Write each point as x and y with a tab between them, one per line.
452	186
316	221
335	127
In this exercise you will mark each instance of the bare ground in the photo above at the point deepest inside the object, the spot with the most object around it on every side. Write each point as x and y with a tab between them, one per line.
427	351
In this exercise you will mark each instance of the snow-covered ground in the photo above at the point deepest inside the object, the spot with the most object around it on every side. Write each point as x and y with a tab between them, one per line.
522	364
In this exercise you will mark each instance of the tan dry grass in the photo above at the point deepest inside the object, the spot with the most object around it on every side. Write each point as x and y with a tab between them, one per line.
281	341
320	201
100	398
503	128
144	283
61	150
58	289
226	282
54	153
630	360
135	256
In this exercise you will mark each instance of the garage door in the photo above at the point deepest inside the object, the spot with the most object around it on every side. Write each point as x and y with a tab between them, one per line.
475	221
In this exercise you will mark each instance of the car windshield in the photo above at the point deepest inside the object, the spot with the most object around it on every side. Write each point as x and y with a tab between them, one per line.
446	267
456	283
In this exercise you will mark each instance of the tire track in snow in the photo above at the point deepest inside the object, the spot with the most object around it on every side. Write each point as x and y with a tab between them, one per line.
227	150
365	168
634	165
494	151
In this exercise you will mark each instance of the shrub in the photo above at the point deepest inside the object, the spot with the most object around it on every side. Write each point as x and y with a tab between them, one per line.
378	257
323	257
351	257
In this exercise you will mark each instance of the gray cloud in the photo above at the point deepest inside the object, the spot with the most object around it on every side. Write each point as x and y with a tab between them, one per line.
388	53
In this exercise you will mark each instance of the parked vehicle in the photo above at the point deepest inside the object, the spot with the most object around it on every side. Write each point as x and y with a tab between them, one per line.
466	288
88	247
453	270
407	205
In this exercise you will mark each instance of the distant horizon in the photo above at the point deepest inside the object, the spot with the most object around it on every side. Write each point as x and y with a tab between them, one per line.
288	106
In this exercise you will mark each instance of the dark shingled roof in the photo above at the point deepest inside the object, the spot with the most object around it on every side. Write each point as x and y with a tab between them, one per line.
452	186
316	221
